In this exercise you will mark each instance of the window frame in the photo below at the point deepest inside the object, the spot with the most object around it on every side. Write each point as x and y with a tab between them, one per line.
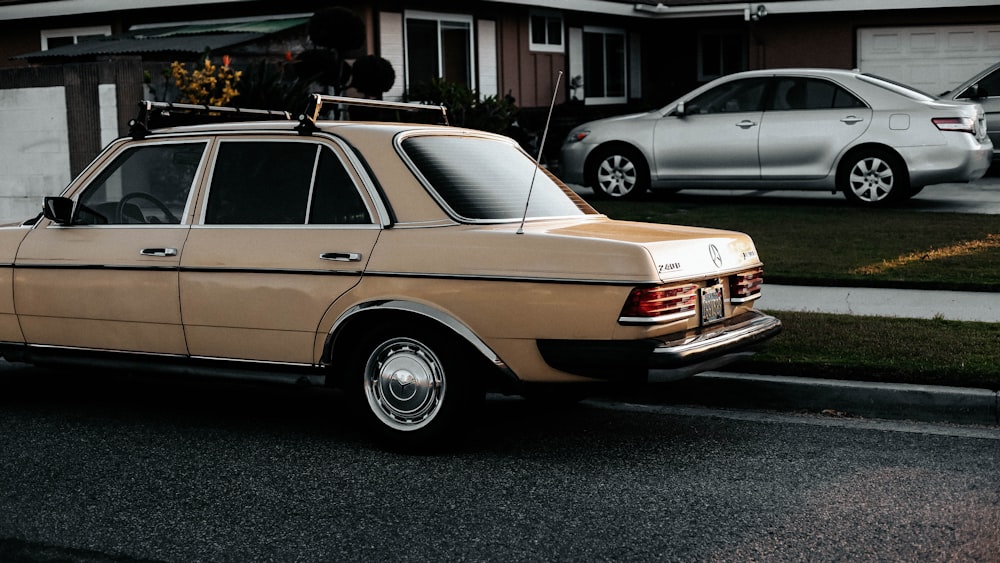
74	32
605	31
546	47
347	160
721	35
539	175
118	153
438	18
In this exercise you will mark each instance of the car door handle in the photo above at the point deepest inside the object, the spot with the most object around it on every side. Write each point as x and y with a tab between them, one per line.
852	119
341	256
158	252
746	124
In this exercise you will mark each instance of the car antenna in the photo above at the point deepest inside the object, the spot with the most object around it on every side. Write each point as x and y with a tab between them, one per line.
541	147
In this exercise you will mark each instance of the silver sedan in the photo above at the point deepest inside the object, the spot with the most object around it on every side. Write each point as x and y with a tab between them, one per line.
876	141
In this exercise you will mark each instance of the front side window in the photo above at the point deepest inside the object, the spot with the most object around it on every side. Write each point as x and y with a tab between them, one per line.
438	46
483	179
794	93
282	183
145	185
989	86
546	32
731	97
605	69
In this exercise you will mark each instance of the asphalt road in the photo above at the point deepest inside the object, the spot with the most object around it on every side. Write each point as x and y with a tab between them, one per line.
113	468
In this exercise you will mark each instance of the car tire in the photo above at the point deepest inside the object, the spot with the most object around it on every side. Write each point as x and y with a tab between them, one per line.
618	172
873	178
417	388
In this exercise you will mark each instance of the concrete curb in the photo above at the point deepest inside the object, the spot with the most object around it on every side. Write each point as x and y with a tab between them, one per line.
927	403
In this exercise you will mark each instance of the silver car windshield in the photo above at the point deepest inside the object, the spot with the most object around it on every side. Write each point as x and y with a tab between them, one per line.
483	179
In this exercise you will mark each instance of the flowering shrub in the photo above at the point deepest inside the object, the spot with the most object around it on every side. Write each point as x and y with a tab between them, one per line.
212	85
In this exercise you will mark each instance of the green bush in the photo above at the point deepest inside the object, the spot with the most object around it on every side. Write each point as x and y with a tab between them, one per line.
465	108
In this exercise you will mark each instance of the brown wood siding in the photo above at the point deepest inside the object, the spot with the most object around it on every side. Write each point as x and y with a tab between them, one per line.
527	75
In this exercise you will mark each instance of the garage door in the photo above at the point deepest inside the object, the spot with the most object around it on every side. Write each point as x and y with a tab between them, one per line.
933	58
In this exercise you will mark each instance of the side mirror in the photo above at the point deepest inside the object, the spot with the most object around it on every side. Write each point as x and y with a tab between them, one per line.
681	110
58	210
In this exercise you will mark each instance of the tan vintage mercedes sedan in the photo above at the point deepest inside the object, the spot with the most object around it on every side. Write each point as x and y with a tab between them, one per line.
415	266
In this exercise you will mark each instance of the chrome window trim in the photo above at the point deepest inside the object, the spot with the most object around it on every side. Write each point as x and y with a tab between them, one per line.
273	227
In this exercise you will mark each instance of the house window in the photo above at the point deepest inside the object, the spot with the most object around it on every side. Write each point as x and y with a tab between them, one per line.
52	38
546	32
605	79
720	53
438	46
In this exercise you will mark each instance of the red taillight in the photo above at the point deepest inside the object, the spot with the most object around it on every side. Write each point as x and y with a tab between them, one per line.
662	303
961	124
745	286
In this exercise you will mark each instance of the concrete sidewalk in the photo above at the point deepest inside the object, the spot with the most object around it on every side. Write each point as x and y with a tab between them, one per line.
906	303
927	403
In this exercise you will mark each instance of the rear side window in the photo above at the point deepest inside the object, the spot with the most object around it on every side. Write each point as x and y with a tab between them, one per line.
795	93
484	179
282	183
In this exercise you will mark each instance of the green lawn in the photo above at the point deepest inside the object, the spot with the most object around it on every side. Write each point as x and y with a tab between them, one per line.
831	243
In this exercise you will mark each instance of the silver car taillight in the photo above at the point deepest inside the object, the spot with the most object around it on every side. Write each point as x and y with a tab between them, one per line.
961	124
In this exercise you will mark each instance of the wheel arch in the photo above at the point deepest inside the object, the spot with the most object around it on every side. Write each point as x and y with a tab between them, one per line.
353	323
865	147
597	152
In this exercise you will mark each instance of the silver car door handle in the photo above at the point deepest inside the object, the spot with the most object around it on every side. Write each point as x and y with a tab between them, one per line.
341	256
852	119
158	252
746	124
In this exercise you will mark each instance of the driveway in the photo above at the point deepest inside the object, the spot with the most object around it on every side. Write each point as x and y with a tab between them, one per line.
981	196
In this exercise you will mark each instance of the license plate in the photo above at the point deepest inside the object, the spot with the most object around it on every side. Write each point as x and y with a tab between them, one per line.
712	307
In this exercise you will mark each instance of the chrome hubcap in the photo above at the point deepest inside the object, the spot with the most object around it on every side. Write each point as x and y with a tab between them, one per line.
404	383
871	179
616	176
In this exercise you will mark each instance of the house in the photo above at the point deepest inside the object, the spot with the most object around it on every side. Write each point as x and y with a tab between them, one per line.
615	55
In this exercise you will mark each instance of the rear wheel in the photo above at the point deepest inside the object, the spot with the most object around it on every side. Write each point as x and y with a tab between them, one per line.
873	177
619	172
416	387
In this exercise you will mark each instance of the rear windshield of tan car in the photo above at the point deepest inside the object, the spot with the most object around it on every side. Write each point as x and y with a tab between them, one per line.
481	179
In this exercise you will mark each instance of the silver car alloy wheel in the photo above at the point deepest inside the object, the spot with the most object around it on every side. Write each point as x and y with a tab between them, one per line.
871	179
404	383
617	175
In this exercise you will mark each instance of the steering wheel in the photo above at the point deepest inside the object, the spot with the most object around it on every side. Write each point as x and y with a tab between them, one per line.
171	218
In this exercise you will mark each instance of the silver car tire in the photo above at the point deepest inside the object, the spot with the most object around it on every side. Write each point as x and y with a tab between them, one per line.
619	173
874	178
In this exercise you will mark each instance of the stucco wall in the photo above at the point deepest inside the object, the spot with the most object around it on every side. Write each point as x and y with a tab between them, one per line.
34	149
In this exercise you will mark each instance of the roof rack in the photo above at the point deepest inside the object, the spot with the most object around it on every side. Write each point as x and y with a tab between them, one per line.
153	115
307	121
